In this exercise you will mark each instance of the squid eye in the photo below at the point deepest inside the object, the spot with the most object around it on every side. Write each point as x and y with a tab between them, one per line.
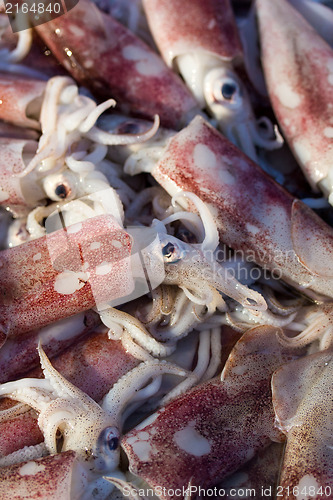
61	191
227	90
172	253
60	186
109	439
225	94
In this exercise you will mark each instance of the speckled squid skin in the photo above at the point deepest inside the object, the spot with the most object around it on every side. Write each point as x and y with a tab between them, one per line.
47	478
64	273
208	433
19	354
93	364
18	431
255	216
260	474
303	403
109	59
298	67
15	94
207	26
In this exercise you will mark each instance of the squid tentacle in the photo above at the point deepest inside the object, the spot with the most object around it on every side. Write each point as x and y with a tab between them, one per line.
211	239
319	328
22	48
209	358
215	360
118	396
125	487
98	135
14	411
133	348
137	331
65	117
34	392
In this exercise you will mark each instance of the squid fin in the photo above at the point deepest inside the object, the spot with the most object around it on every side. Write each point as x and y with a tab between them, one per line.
299	386
312	240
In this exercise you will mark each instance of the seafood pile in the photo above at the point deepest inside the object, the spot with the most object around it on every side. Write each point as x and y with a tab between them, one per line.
166	262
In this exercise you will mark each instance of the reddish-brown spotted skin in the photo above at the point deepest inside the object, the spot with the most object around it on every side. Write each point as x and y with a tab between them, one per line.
208	433
202	26
64	273
260	474
93	364
19	354
254	215
45	478
103	55
16	93
303	404
19	431
298	67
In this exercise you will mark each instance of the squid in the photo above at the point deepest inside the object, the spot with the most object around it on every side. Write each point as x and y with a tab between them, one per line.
20	100
19	429
19	354
210	60
276	231
64	273
18	194
258	476
298	67
195	270
62	405
75	271
203	436
90	430
193	267
93	364
119	63
53	477
61	165
303	404
319	15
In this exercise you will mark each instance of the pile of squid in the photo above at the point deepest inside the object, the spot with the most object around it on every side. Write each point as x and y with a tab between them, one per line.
166	262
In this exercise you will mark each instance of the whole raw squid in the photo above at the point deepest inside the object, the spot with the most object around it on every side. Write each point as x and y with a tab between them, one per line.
117	64
298	67
255	216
